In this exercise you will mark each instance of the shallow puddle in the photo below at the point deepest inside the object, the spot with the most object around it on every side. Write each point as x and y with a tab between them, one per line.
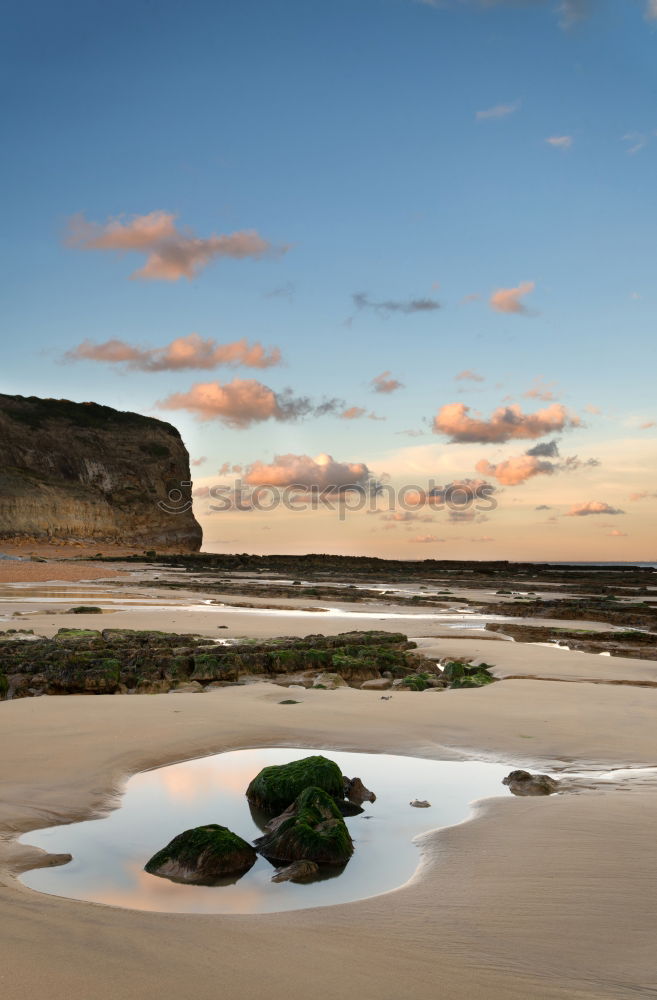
109	854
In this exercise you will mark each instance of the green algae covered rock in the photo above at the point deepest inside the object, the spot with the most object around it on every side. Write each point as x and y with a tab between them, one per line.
201	855
68	634
311	829
276	787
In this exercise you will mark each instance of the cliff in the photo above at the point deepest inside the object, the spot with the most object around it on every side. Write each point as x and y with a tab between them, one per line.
80	472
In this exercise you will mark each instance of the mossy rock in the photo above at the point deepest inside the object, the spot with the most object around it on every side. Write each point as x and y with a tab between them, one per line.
202	855
476	680
4	685
311	829
454	670
416	682
84	609
64	634
210	667
276	787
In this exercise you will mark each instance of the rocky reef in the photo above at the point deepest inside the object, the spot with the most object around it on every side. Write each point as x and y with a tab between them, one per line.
84	473
122	661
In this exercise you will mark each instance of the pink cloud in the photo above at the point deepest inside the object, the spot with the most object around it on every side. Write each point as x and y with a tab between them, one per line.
190	352
321	472
540	390
647	425
426	539
244	402
356	412
171	253
199	461
643	495
469	375
381	383
513	471
592	507
506	423
227	468
615	533
405	516
507	300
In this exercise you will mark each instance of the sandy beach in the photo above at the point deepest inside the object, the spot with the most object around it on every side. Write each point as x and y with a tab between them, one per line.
520	902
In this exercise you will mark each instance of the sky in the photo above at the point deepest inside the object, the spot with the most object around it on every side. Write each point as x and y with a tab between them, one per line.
383	244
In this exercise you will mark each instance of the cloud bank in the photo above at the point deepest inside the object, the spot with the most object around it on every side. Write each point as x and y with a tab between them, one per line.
506	423
244	402
383	383
592	507
171	253
516	470
508	300
322	472
184	353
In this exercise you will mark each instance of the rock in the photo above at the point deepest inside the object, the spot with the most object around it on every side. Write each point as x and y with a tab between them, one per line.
420	804
201	855
524	783
213	666
355	791
310	829
298	871
84	609
329	681
55	860
276	787
72	472
192	688
377	684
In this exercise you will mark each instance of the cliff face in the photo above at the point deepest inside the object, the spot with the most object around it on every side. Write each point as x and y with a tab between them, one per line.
79	472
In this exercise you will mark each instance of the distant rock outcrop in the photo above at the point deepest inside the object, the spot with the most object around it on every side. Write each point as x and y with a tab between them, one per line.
80	472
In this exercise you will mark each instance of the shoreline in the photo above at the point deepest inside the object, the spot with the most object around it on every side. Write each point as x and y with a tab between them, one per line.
518	901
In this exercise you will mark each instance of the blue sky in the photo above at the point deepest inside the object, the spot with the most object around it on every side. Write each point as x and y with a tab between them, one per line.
348	132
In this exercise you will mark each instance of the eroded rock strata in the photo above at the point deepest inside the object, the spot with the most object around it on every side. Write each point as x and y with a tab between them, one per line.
80	472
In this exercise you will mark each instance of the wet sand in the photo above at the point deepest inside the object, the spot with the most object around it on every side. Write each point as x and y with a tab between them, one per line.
35	572
521	903
533	899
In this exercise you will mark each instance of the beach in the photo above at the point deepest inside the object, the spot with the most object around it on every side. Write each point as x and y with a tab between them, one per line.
520	901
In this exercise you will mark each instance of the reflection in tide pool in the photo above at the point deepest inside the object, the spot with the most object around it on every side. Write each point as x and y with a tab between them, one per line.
109	854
